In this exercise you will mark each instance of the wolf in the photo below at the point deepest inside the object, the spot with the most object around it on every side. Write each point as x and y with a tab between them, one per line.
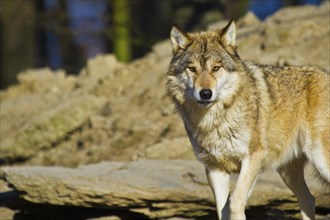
242	117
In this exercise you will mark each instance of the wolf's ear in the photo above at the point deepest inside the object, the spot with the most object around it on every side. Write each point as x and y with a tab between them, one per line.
229	34
179	39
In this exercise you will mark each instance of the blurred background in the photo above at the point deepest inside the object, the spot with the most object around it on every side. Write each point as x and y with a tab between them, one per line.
63	34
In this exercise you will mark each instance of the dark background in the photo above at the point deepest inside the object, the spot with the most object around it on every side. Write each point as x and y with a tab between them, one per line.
63	34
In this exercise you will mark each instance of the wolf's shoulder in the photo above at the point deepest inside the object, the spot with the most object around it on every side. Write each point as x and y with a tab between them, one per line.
287	71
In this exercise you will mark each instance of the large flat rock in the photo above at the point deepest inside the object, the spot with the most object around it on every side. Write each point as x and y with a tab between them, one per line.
155	188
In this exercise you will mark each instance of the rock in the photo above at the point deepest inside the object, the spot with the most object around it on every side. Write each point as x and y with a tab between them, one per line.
177	148
278	34
102	65
106	218
162	49
249	19
289	14
42	80
289	38
155	188
49	128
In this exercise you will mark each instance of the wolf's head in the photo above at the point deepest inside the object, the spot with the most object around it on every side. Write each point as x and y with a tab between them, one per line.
205	66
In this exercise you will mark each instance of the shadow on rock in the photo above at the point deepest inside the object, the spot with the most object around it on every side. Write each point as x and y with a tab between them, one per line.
276	209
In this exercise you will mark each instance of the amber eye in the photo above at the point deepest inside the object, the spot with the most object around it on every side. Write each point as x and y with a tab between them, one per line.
215	68
192	69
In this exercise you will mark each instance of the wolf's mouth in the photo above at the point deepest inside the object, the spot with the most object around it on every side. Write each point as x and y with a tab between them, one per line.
205	103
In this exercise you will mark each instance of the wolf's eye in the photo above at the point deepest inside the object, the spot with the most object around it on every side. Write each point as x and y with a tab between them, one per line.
215	68
192	69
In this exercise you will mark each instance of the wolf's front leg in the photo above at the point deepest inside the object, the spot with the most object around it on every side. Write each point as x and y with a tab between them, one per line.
220	184
250	168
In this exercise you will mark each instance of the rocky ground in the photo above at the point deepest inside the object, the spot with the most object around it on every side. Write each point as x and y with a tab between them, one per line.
120	113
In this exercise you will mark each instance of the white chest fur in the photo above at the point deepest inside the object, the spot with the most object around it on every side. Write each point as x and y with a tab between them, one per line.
218	135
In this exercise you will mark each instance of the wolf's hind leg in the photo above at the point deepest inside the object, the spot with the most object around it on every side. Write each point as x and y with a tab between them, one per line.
293	176
220	185
319	156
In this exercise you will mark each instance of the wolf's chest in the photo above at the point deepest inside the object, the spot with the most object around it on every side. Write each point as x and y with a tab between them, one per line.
223	140
220	140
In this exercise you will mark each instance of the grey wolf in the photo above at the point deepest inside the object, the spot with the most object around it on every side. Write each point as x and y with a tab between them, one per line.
243	117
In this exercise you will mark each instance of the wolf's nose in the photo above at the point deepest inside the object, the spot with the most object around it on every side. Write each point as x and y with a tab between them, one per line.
205	94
